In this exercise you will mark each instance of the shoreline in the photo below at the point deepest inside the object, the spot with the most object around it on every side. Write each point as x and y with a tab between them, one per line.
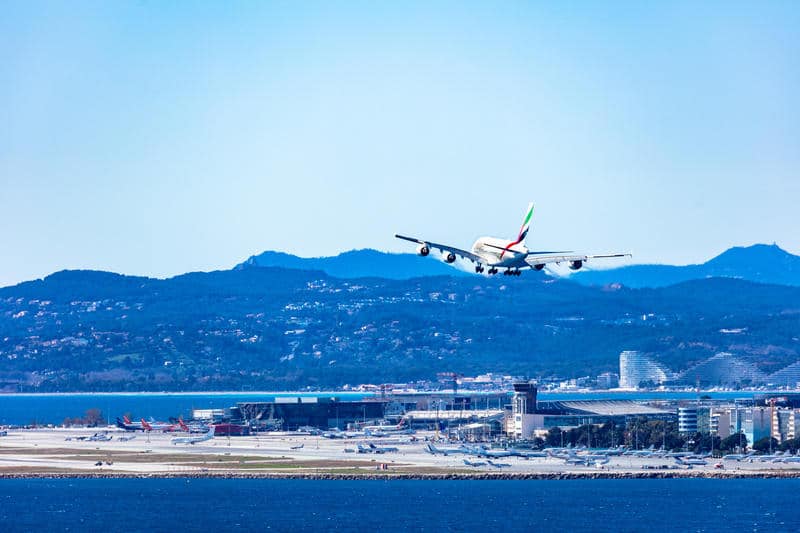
74	454
388	476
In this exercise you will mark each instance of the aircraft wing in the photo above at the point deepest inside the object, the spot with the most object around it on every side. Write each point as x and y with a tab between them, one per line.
544	259
445	248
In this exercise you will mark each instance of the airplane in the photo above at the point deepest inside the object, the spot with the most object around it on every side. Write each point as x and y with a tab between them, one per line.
336	433
298	447
528	455
382	431
375	449
737	456
382	449
194	428
612	451
126	439
195	440
157	426
498	465
129	423
100	437
433	450
510	256
128	426
774	458
482	451
474	463
690	462
586	460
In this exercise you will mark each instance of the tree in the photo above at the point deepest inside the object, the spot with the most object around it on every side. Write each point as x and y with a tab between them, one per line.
790	445
94	417
733	442
704	442
765	444
553	437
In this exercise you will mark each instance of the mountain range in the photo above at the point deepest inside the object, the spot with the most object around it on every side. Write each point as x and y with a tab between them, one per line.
760	263
269	328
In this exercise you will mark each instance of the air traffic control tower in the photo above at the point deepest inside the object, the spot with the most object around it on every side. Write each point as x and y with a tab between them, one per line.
523	409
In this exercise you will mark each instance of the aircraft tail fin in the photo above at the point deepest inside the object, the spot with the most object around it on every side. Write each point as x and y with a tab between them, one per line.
523	231
526	223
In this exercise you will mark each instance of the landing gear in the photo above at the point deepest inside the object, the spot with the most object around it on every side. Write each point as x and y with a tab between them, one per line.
512	272
492	271
479	269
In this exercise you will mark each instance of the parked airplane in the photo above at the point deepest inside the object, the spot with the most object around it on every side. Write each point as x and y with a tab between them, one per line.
371	448
153	425
586	460
527	454
511	256
481	451
737	456
129	423
433	450
195	440
194	428
127	426
384	430
690	462
776	457
339	434
383	449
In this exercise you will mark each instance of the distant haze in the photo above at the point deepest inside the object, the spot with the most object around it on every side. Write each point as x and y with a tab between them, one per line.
156	138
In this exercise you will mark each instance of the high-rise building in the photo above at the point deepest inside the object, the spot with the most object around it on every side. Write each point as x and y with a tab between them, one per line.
607	380
757	424
636	368
785	424
687	419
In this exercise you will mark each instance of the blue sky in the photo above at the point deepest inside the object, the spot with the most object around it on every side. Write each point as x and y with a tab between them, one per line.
156	138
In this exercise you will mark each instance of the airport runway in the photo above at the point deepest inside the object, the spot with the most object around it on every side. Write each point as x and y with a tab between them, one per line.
59	450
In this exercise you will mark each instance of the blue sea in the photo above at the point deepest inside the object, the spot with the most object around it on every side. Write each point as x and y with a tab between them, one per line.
23	409
306	505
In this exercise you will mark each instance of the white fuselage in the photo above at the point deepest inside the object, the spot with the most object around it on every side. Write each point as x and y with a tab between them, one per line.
491	249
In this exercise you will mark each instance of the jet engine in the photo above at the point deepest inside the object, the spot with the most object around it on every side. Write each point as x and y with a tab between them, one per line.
538	267
423	250
576	265
449	257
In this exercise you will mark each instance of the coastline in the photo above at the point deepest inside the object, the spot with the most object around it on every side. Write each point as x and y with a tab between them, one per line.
75	453
387	476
